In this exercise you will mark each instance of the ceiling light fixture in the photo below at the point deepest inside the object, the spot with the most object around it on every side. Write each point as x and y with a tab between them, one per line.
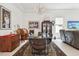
40	9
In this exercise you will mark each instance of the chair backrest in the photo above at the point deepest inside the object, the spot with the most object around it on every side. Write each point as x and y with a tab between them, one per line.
31	32
37	43
23	33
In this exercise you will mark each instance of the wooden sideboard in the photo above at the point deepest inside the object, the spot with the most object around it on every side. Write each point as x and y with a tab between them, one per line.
17	51
9	42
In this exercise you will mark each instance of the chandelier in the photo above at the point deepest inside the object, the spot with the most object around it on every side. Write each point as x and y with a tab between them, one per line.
40	9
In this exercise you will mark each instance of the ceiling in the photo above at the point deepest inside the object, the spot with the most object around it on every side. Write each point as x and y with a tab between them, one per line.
29	7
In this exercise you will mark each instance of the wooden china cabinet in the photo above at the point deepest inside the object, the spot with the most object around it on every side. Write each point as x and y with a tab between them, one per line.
47	29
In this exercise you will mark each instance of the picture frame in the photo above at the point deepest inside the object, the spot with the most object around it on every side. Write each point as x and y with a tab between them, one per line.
5	18
73	24
33	24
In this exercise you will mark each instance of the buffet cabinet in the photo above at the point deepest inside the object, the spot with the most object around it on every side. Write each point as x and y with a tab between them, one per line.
9	42
58	51
71	37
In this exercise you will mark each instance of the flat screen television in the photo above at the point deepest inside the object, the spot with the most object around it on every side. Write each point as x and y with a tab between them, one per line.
73	24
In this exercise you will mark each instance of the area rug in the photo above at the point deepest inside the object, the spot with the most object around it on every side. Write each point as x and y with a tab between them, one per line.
51	51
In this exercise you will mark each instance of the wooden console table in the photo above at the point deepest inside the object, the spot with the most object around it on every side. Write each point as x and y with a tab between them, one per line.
18	51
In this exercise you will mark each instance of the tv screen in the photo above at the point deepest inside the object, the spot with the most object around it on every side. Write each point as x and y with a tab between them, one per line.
73	24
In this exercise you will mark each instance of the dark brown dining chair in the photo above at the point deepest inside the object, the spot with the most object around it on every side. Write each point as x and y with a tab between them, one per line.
39	46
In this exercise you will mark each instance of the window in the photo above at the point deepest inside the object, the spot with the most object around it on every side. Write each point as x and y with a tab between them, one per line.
58	24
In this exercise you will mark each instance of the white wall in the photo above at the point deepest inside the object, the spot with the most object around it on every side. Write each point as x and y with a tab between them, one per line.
35	17
66	14
16	18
